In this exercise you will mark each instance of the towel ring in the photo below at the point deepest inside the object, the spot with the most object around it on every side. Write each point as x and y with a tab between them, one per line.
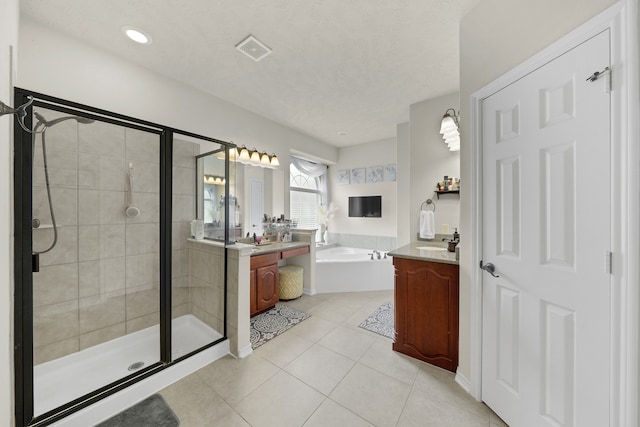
427	203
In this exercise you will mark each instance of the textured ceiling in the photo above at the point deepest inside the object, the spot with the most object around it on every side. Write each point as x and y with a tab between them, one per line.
337	65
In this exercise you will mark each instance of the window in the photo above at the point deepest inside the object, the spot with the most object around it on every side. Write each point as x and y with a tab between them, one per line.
304	199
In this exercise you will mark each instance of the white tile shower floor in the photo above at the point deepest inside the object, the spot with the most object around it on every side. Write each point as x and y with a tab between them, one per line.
326	372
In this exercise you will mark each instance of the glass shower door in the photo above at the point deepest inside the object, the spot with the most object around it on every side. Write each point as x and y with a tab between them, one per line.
96	227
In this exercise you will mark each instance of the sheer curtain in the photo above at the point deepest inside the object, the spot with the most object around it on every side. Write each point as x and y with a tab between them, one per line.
317	171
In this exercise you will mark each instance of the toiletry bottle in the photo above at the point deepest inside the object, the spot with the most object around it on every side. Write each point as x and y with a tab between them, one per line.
456	235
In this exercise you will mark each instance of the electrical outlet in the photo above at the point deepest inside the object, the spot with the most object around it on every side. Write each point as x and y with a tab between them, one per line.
445	228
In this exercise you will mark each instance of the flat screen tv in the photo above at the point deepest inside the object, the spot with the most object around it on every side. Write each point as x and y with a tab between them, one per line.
365	206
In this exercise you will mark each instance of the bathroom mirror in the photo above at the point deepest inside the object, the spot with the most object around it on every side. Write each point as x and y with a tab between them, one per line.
212	182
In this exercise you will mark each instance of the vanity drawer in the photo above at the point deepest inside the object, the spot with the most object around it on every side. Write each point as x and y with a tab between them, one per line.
258	261
294	252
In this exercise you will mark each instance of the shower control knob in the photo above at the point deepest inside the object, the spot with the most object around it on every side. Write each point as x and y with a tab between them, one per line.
35	223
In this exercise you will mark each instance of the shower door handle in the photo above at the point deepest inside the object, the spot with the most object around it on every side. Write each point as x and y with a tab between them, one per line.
35	262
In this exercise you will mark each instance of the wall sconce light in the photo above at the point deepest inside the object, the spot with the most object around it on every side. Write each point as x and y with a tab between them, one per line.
449	129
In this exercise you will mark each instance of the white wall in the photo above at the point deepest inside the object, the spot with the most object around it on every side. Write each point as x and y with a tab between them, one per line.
57	65
431	160
377	153
8	38
496	36
403	156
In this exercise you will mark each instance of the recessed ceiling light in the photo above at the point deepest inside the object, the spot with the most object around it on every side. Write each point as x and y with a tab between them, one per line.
342	133
136	34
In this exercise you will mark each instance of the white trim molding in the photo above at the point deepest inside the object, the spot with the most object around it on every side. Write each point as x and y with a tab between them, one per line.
622	20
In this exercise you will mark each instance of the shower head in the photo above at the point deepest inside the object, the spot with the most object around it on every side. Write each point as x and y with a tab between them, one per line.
48	124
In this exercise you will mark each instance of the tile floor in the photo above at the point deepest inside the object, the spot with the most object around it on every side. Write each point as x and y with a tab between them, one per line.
326	372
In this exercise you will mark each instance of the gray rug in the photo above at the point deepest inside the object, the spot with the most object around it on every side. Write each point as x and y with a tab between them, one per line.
151	412
270	324
381	321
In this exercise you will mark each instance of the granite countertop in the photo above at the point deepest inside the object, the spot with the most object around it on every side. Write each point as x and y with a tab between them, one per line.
425	251
267	248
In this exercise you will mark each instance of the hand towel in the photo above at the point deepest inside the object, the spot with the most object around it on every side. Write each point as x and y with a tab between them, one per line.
427	225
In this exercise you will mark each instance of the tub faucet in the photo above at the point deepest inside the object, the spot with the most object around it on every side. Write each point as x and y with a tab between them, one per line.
371	255
375	251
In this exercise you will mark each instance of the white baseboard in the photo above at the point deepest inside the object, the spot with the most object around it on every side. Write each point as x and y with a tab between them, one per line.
463	382
245	351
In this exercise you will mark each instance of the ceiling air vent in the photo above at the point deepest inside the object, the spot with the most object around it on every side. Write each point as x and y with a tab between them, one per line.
253	48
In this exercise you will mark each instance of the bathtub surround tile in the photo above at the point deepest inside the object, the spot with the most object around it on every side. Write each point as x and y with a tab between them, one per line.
149	206
142	146
56	322
142	269
142	238
184	208
100	311
184	180
55	350
184	153
197	405
55	284
142	322
64	252
374	396
102	335
103	139
265	406
65	205
146	177
319	367
143	300
332	414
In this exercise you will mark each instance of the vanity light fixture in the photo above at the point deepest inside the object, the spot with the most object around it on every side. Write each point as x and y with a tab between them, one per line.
264	159
214	179
255	156
449	129
136	35
274	160
244	153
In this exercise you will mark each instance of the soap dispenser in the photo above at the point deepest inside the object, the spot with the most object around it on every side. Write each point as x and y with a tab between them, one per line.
456	235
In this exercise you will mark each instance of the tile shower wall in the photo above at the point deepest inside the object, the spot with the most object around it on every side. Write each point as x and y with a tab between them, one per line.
101	281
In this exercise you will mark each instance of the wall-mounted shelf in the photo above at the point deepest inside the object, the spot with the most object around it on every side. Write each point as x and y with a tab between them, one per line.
438	193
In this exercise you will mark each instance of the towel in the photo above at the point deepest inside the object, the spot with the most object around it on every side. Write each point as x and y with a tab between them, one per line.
427	225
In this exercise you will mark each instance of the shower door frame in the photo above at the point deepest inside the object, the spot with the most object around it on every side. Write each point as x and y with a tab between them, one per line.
23	260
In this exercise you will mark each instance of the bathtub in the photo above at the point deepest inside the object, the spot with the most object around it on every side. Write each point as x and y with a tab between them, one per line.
344	269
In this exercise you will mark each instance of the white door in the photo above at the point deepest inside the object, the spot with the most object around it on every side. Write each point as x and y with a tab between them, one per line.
547	230
257	206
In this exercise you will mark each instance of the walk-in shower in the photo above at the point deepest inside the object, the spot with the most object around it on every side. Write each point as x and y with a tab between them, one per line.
107	293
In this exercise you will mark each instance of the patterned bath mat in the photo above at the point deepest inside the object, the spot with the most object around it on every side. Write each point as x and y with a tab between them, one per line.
272	323
151	412
381	321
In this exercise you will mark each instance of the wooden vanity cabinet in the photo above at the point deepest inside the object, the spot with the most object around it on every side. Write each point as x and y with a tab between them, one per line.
264	282
426	311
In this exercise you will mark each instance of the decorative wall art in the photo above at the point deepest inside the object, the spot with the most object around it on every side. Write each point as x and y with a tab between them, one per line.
343	176
374	174
357	176
390	173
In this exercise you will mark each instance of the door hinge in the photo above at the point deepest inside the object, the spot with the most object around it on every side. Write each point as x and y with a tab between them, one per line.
606	73
608	255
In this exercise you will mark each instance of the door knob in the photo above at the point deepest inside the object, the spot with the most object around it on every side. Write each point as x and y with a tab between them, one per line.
489	268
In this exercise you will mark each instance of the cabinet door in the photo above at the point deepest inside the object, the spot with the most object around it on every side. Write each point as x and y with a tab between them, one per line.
253	292
426	297
267	286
